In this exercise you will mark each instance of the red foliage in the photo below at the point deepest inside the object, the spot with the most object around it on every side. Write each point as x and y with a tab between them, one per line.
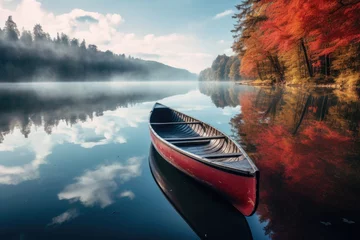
306	174
324	25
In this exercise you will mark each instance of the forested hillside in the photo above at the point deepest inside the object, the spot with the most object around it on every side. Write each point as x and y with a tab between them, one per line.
36	56
223	68
299	40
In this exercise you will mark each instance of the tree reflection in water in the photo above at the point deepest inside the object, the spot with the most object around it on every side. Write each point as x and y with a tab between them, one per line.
306	145
47	104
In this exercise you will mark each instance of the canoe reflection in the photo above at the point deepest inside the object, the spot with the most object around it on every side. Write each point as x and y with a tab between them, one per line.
210	216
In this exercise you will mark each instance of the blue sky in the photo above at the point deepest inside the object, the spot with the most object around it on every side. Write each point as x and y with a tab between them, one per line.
184	33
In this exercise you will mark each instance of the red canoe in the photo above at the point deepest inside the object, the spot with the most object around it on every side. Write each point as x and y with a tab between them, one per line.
207	155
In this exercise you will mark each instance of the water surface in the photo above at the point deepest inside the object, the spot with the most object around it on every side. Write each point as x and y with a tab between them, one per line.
74	159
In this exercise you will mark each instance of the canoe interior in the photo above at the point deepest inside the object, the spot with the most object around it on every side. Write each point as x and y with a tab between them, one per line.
198	138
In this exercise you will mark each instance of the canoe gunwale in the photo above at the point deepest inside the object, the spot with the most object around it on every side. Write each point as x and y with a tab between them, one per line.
254	173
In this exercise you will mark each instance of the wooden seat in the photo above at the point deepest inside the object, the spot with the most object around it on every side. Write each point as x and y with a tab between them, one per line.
224	155
176	123
194	142
190	139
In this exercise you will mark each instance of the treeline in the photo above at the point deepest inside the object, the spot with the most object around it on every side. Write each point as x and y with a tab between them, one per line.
223	68
26	56
299	40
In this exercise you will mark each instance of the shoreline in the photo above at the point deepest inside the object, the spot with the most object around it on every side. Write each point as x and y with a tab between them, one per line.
312	85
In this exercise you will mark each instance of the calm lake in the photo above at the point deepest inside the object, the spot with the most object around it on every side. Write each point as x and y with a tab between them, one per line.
74	162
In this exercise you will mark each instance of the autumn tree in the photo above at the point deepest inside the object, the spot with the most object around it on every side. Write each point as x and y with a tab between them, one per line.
248	42
294	38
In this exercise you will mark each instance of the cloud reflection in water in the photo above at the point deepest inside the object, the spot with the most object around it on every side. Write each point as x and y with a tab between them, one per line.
128	194
97	186
100	130
64	217
90	132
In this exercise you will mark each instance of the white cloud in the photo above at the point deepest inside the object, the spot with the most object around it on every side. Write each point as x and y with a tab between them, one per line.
178	50
97	186
221	42
65	216
128	194
30	12
223	14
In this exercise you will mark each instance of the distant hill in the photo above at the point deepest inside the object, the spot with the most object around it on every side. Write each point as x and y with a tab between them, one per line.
35	56
162	71
223	68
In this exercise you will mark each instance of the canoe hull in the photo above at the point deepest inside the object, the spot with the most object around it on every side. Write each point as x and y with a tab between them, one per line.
207	213
241	190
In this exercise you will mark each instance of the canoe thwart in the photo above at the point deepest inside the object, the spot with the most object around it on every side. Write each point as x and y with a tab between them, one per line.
176	123
194	142
223	155
190	139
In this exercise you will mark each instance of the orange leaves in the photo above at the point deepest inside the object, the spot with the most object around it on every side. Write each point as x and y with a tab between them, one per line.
323	25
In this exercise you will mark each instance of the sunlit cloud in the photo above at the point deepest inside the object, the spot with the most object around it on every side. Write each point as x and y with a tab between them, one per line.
223	14
65	217
97	186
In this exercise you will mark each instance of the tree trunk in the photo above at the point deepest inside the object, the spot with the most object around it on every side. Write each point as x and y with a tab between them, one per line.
328	64
306	58
277	67
305	108
323	107
259	71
